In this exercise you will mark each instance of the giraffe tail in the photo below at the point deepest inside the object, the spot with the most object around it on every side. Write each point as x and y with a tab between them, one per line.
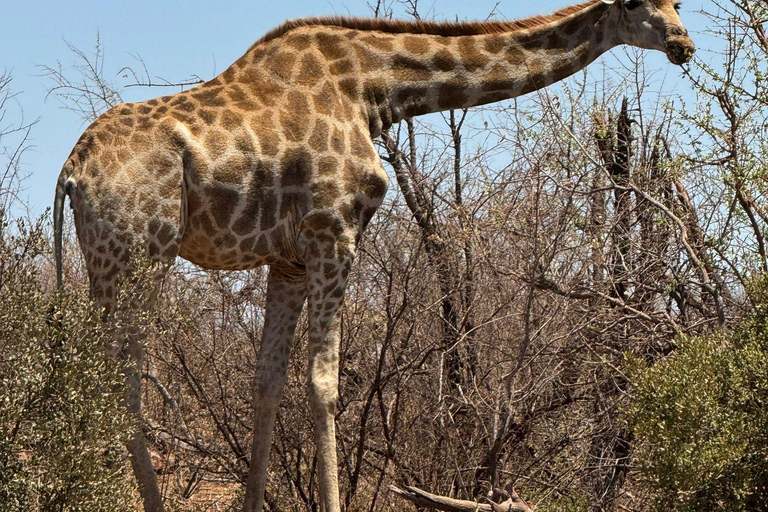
63	186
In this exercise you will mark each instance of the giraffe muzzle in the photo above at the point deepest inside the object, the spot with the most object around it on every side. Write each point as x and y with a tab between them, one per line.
680	49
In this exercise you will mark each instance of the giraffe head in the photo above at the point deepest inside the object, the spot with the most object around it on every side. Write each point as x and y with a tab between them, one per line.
655	25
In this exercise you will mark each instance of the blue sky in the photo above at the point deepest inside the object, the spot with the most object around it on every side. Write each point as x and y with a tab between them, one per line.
177	39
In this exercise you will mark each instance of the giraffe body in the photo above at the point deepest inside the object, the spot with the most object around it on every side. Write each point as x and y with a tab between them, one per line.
272	162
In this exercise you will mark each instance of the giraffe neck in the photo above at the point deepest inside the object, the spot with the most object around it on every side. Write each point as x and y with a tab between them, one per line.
436	73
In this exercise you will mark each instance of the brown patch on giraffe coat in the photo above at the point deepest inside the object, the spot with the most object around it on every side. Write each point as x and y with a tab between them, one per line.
229	75
324	194
494	43
471	57
342	67
208	116
379	42
221	203
296	168
350	87
310	69
453	94
406	69
262	246
145	109
497	79
299	41
293	117
230	120
233	170
444	60
153	102
216	144
318	141
516	56
127	121
416	44
331	45
327	166
369	61
269	140
268	210
280	63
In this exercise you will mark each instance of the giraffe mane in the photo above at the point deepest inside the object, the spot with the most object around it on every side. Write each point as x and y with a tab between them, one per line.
440	28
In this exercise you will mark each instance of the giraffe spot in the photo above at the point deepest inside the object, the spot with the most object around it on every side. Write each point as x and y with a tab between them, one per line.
374	185
516	57
126	109
444	60
494	43
330	45
145	109
406	68
215	144
221	203
327	166
208	116
210	97
233	170
453	95
369	61
296	168
325	99
230	120
349	86
281	63
310	69
324	194
166	233
236	94
471	57
416	44
228	240
338	143
263	127
268	210
247	244
318	141
293	118
291	201
496	79
229	75
379	42
127	121
299	41
166	99
342	67
262	246
184	118
153	102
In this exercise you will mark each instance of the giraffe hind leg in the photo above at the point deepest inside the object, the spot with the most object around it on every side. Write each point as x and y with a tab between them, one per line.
107	250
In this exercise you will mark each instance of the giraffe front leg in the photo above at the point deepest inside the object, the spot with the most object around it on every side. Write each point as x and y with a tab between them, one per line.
286	292
328	264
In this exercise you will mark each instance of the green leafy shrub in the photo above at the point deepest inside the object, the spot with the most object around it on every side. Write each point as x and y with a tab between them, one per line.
701	419
62	422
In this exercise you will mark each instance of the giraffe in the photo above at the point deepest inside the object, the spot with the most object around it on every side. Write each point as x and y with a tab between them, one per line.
273	163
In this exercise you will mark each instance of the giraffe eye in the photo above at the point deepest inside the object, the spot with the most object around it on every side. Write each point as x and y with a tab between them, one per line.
632	4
